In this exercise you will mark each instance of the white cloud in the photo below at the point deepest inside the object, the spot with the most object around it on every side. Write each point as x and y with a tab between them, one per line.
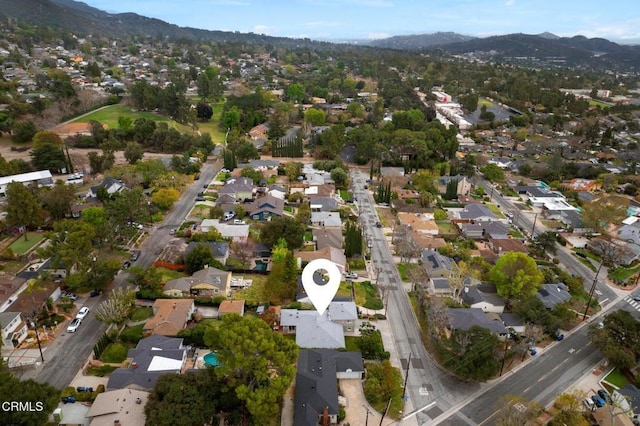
264	29
376	36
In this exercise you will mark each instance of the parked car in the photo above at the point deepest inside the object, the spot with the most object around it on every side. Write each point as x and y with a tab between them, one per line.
126	265
70	296
598	401
636	298
73	325
68	399
589	404
172	232
229	215
84	389
351	276
83	312
378	225
604	395
196	177
560	337
95	293
238	222
135	255
200	198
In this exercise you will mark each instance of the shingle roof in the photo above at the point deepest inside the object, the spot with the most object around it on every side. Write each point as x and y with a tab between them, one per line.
465	318
553	294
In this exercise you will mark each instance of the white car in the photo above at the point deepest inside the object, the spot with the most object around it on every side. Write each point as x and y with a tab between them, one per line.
83	312
73	325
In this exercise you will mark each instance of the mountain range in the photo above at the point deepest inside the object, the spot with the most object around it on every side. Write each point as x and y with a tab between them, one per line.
544	48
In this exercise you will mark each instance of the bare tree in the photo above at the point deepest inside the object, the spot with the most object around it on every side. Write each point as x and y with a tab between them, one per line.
117	308
405	245
241	251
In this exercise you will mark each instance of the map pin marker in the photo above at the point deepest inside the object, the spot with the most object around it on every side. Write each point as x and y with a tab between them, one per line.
320	294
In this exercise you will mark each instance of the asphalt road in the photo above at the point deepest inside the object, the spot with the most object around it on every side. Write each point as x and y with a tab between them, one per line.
430	389
525	221
69	352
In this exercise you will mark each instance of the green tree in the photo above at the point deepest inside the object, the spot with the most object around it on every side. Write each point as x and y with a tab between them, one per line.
70	242
184	399
133	152
602	211
472	354
339	177
516	276
284	226
44	137
49	157
231	118
618	339
370	342
27	391
229	159
58	199
197	258
204	111
165	198
258	364
23	208
546	242
23	131
315	117
149	281
492	173
246	151
296	93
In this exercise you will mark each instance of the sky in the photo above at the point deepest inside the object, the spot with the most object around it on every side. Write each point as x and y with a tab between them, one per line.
338	20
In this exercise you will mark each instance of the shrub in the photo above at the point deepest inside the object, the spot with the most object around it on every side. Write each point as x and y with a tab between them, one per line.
132	334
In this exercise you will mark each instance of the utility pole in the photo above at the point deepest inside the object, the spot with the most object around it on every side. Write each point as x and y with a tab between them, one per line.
593	288
406	377
34	323
504	358
533	228
385	412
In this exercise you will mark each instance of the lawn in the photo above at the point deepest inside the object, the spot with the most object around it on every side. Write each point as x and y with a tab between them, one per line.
141	313
115	353
168	274
351	343
110	115
616	378
213	126
20	246
101	371
132	334
593	102
404	269
257	293
446	228
620	275
366	293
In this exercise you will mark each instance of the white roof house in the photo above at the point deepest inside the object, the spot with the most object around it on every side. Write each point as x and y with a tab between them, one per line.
227	230
326	219
41	178
312	329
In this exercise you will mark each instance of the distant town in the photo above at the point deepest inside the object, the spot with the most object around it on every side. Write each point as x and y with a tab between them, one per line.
160	197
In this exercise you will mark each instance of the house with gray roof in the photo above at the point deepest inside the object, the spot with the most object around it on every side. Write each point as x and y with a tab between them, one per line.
313	330
513	322
436	264
476	213
552	295
207	282
465	318
326	219
151	358
219	249
327	237
323	204
484	298
111	185
239	188
264	208
317	373
439	286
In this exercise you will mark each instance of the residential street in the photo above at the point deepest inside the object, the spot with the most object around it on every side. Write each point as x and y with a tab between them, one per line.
68	353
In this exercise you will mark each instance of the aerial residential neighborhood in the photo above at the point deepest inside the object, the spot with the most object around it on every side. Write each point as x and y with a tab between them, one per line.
161	196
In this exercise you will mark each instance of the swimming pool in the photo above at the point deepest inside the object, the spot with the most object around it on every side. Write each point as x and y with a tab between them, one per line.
260	265
211	359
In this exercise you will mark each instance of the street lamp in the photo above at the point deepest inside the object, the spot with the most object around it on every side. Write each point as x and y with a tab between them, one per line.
34	324
149	208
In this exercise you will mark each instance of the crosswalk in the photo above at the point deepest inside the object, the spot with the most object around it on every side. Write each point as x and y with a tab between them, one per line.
634	303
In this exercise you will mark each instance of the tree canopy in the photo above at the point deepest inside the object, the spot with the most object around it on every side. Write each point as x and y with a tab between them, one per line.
287	227
516	276
618	339
255	361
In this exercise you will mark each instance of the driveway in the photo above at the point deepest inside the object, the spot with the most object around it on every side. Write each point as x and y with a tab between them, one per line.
356	405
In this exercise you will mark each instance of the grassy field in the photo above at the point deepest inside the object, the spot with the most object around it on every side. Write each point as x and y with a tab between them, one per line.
213	126
141	313
110	115
168	274
21	246
622	274
446	228
115	353
257	293
602	105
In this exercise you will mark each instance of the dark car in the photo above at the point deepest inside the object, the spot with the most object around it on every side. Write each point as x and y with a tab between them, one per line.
378	225
135	255
95	293
598	401
68	399
604	395
84	389
126	265
560	337
196	177
201	199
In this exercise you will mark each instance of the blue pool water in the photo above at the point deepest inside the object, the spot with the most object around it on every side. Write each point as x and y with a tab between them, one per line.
211	359
260	266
